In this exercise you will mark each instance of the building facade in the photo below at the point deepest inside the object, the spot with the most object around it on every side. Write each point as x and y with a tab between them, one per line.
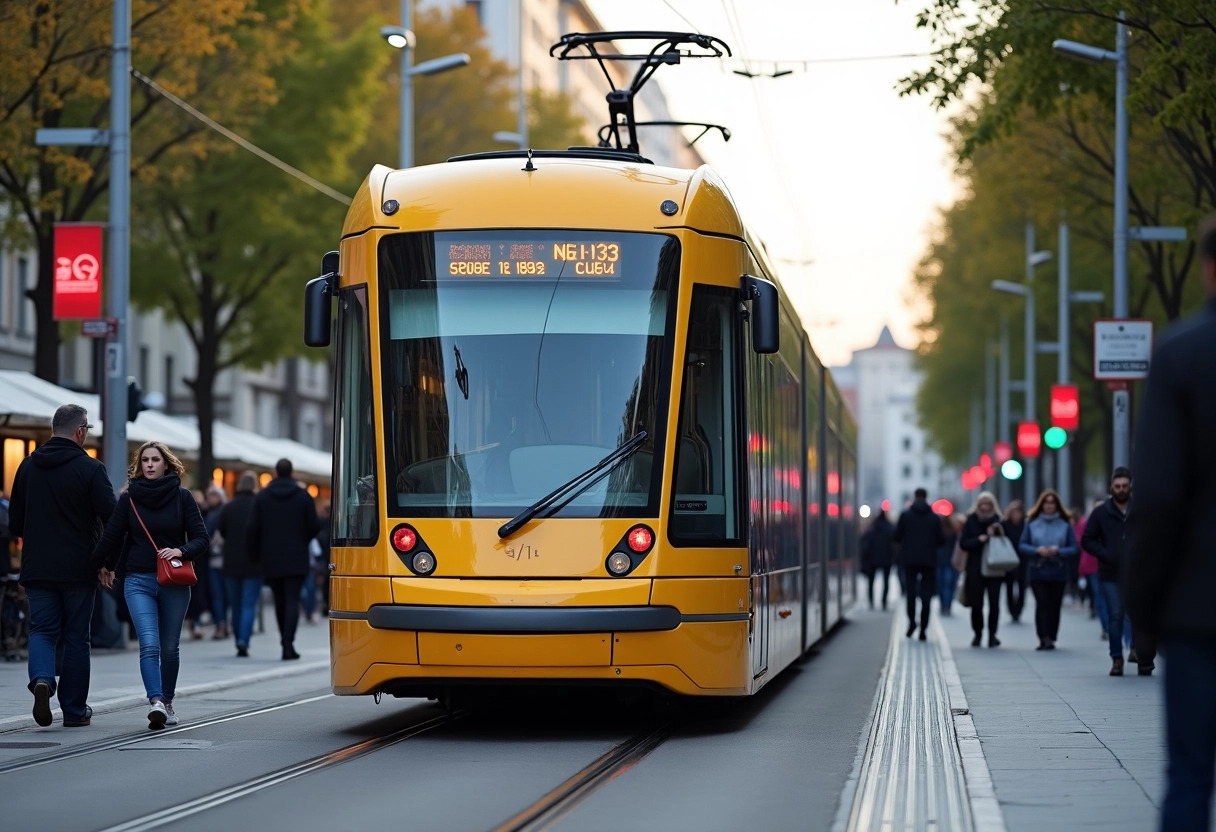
894	459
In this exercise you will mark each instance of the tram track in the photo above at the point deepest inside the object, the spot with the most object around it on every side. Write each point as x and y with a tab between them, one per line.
562	800
125	740
188	808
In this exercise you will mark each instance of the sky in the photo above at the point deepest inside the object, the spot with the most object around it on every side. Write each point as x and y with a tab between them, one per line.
839	176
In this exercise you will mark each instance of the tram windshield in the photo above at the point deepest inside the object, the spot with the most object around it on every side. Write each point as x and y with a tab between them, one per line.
514	360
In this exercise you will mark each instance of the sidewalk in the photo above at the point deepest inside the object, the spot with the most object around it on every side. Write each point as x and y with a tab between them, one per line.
206	665
1067	746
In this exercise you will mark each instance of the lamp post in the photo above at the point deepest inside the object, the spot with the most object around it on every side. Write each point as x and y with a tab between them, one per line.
1120	445
402	37
1033	258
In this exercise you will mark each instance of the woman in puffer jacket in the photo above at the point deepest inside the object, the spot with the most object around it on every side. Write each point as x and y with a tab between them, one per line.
1045	543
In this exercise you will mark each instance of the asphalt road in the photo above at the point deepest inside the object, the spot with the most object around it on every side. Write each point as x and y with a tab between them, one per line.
283	754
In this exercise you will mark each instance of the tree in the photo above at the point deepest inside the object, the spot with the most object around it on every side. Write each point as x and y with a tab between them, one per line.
1003	48
221	246
54	73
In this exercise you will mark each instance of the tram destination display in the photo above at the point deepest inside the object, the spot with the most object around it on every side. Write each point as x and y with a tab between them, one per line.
499	259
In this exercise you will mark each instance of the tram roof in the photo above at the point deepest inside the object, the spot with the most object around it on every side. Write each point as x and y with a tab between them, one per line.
562	192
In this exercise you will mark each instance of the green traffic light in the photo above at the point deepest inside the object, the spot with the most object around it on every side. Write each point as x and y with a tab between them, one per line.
1055	438
1011	469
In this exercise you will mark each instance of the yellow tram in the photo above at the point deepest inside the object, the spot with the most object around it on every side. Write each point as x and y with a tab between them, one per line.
579	435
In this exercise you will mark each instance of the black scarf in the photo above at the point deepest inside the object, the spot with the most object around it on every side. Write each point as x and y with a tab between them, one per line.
155	493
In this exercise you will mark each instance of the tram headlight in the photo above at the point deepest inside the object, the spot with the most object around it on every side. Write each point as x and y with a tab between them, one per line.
423	563
619	563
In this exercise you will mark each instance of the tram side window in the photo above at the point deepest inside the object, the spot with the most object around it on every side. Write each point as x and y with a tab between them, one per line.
354	515
705	501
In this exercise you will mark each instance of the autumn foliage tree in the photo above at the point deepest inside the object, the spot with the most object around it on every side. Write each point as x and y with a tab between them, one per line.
54	72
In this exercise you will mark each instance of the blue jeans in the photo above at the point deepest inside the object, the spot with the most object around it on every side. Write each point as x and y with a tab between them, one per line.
1190	729
157	613
1118	628
243	594
947	584
61	612
219	598
1099	602
308	592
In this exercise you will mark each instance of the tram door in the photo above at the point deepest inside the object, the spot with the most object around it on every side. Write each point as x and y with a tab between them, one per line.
760	426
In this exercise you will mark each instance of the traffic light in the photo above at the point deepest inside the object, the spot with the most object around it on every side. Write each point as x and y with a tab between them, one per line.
1055	438
1029	439
1011	469
135	399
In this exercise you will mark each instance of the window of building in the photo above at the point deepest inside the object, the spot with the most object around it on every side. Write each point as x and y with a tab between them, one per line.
907	443
476	6
145	380
907	472
169	384
3	290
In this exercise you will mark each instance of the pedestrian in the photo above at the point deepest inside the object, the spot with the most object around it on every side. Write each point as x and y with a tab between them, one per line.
242	577
919	533
284	521
215	560
60	500
1087	570
156	518
1015	579
1047	544
947	575
1171	568
321	561
982	524
877	554
1106	538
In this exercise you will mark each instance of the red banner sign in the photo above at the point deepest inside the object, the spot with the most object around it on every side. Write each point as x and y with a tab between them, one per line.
1065	406
77	271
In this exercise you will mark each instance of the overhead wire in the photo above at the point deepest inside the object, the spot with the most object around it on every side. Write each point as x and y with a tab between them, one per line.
243	142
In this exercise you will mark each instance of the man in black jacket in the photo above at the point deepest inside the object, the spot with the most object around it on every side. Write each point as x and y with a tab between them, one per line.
919	533
1172	554
1106	536
283	521
61	500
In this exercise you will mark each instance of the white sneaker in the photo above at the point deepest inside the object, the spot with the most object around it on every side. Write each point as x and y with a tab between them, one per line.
158	715
172	718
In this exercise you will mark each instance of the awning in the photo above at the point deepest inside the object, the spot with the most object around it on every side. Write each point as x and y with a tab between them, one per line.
29	403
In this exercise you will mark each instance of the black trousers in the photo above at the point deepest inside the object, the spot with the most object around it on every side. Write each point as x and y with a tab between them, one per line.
1015	590
977	586
286	606
1190	730
920	581
1048	598
885	571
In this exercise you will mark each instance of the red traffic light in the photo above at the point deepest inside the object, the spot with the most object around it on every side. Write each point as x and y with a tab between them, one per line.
1065	406
1030	439
1002	452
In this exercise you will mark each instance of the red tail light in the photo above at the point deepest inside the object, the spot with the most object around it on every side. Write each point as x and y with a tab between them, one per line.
404	538
639	539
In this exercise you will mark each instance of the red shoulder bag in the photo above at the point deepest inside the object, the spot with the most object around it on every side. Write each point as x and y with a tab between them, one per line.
169	571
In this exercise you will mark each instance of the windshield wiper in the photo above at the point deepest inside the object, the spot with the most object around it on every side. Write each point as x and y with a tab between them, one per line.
584	479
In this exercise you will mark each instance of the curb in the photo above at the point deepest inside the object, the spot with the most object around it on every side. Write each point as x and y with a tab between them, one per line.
136	696
985	808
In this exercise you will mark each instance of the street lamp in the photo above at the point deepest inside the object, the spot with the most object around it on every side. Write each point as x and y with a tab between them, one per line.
1121	450
510	137
402	37
1033	258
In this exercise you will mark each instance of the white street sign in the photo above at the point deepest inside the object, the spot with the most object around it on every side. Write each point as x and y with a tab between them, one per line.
1122	349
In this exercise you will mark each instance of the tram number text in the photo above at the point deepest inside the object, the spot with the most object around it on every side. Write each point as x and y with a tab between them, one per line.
524	552
529	267
587	252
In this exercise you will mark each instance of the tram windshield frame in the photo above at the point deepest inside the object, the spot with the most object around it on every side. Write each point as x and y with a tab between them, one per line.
514	359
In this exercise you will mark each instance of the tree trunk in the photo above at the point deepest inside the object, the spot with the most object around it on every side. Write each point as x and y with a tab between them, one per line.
203	385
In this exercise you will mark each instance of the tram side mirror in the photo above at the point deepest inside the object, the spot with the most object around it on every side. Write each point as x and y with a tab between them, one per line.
765	313
318	302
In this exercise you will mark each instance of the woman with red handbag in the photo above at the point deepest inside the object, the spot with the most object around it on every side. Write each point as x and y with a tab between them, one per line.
155	532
